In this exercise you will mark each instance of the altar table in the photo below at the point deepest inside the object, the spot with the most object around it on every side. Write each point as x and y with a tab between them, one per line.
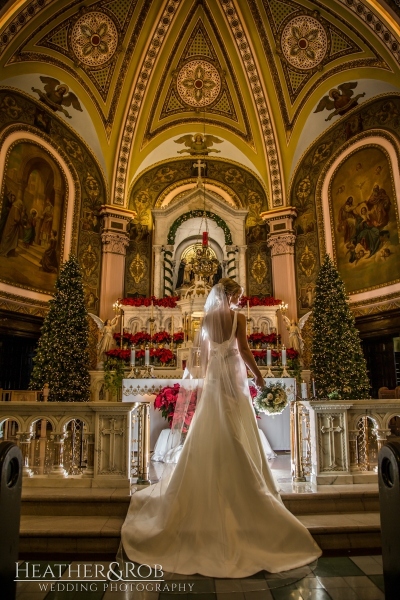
276	428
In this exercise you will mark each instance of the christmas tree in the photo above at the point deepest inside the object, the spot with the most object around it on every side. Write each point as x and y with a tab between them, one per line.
338	362
62	358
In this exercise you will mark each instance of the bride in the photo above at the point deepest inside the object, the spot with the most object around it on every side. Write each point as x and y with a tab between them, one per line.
217	512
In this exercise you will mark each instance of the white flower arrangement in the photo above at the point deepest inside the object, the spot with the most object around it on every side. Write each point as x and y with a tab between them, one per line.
272	399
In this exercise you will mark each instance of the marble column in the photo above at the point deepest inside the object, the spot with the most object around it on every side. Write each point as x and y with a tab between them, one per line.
242	267
115	240
158	290
281	240
168	271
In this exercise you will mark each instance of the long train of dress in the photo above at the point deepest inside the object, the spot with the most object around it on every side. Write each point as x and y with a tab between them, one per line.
220	514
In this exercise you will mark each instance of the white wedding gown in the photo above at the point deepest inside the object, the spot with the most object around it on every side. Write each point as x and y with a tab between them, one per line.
220	514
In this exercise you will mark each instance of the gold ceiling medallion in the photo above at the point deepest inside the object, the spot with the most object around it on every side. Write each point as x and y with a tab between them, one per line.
198	83
198	75
307	262
94	39
304	42
259	269
137	268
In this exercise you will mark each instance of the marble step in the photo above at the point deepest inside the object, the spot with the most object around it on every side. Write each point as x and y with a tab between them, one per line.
106	502
99	536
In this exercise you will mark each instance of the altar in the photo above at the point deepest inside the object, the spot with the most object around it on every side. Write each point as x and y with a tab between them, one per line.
276	428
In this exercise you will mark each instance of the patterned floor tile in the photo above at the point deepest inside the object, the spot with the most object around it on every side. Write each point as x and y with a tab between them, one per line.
378	581
340	566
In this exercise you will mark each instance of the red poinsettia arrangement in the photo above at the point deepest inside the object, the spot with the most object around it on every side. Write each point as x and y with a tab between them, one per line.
253	394
119	353
127	337
161	337
178	337
165	401
292	354
164	355
256	301
167	302
141	337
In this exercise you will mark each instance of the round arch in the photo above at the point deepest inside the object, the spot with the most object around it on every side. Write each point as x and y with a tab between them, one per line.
199	213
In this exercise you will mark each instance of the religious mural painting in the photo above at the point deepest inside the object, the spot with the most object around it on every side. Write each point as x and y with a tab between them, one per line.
32	218
356	178
364	220
33	175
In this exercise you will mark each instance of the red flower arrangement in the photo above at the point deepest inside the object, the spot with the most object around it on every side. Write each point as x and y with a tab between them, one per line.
292	354
141	337
165	401
127	337
161	337
119	353
253	394
167	302
257	338
256	301
163	354
178	337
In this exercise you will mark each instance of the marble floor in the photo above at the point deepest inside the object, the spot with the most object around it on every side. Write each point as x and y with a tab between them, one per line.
338	578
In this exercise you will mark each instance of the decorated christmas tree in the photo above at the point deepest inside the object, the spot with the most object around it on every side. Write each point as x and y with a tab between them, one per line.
338	362
62	358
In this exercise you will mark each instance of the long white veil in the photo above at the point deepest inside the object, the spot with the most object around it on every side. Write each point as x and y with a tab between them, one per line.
216	326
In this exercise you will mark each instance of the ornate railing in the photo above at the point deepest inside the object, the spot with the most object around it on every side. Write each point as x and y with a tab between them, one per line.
91	442
338	441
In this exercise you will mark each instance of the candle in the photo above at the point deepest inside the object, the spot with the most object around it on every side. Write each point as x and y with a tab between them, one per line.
172	328
313	388
205	238
152	309
283	355
133	356
248	309
147	356
269	356
304	393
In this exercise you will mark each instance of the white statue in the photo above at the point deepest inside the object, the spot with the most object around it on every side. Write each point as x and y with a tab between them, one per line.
294	329
107	329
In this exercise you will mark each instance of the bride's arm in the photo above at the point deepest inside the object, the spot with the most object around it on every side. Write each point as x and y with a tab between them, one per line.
245	352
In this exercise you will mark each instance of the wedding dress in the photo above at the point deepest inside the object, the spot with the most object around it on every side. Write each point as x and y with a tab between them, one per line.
218	512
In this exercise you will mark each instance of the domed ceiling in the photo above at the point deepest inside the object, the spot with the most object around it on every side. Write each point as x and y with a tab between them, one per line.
262	78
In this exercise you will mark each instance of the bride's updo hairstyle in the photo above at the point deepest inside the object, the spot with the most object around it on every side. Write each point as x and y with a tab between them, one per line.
231	287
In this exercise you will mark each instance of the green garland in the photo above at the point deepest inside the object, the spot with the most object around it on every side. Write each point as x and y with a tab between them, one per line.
199	213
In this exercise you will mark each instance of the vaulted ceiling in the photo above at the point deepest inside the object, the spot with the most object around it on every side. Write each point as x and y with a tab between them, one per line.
249	72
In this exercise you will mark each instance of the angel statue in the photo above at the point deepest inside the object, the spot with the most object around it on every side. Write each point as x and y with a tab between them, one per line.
294	329
198	144
107	329
55	95
340	99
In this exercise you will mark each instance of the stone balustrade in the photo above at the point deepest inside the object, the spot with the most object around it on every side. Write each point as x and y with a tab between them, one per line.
88	443
339	440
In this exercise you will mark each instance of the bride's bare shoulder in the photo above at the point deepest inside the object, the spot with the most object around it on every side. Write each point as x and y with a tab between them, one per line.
241	318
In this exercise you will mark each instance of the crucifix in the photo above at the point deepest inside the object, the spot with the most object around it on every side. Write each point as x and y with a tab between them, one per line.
331	430
112	432
199	165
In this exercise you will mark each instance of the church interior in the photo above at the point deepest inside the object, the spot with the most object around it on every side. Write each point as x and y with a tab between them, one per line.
167	145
